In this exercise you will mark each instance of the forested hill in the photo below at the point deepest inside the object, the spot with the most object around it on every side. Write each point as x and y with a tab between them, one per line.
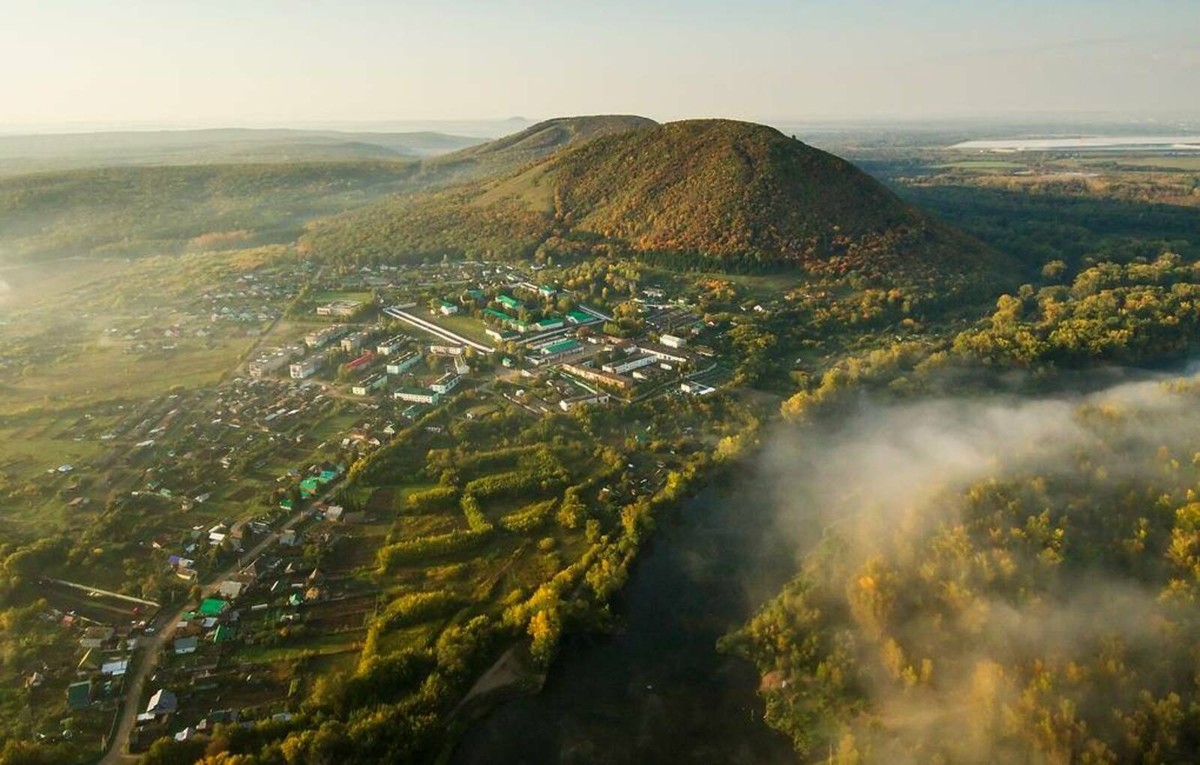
510	153
704	193
171	202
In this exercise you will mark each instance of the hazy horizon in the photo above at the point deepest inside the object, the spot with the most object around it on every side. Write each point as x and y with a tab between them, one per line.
133	64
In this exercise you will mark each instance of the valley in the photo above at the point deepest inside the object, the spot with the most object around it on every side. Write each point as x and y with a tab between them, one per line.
316	445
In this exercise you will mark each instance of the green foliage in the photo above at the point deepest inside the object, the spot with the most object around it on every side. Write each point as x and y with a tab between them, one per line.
529	517
408	551
417	607
706	194
1132	314
155	210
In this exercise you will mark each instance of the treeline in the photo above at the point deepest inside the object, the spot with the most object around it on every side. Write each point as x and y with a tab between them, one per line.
1077	229
1138	314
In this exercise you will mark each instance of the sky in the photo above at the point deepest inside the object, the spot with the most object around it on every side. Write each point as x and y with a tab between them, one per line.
180	63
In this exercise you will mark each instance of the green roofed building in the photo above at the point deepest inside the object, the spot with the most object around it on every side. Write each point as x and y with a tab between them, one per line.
562	346
499	315
310	486
578	317
509	302
223	633
213	607
79	695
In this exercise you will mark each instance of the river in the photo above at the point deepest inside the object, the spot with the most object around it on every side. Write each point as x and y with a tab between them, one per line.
658	691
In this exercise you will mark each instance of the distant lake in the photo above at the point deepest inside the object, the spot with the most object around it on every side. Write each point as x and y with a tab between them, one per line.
1087	143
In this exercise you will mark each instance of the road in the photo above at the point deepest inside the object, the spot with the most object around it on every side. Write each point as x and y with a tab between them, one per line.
90	590
165	623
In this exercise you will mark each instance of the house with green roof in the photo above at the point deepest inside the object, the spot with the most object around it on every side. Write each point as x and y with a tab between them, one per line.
548	324
510	302
79	695
310	486
578	317
213	607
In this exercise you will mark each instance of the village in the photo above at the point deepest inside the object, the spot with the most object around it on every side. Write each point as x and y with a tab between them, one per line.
346	365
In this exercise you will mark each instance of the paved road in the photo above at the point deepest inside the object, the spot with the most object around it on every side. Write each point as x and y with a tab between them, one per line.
165	624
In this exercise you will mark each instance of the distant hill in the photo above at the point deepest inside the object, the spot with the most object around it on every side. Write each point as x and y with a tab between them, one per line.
21	154
171	191
536	142
712	194
166	209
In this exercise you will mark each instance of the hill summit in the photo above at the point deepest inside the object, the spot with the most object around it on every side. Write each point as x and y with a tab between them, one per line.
711	194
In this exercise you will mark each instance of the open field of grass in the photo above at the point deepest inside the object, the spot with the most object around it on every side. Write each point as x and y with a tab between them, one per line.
466	326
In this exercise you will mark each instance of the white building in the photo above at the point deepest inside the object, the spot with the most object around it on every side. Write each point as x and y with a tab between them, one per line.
391	345
671	341
628	365
307	367
403	364
416	395
446	383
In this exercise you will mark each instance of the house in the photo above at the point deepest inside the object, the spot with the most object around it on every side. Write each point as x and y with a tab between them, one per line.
163	702
115	668
231	589
334	512
545	325
567	404
578	317
213	607
445	383
288	538
185	645
372	383
310	486
695	388
403	364
360	362
664	353
510	303
599	376
96	637
671	341
301	370
79	695
446	308
547	291
323	337
217	534
628	365
416	395
340	308
391	345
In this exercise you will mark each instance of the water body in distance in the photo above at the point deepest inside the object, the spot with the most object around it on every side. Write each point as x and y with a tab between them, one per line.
1088	143
659	691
